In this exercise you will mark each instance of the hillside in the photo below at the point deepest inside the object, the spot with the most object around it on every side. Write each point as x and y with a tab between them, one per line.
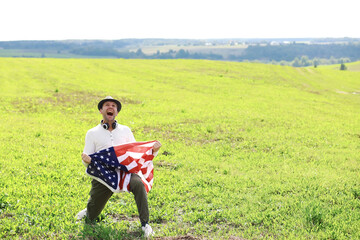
353	67
249	150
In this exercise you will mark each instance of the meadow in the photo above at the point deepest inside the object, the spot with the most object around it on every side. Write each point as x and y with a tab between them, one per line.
250	151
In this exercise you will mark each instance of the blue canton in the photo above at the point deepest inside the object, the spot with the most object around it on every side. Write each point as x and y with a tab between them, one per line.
104	165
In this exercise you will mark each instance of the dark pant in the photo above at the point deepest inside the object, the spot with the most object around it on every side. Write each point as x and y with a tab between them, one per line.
100	194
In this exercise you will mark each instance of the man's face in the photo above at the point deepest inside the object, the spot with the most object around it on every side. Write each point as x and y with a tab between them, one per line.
109	111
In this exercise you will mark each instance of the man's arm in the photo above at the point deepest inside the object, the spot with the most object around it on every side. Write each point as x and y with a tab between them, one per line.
88	149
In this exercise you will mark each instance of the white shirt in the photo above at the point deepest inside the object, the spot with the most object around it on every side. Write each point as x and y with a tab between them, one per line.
98	138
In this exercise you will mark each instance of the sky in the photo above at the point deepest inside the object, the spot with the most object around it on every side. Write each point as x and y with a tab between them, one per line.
185	19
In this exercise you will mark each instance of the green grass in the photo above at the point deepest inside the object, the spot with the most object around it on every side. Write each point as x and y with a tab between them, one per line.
352	66
355	66
249	150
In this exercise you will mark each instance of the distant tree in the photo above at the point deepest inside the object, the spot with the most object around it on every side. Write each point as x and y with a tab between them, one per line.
139	53
315	62
345	60
232	57
305	61
332	60
343	67
296	62
283	63
182	54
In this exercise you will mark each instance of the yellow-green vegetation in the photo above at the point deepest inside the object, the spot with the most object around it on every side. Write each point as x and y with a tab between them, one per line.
353	66
249	150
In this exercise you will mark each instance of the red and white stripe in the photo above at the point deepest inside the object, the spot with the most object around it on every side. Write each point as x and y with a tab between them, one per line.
137	157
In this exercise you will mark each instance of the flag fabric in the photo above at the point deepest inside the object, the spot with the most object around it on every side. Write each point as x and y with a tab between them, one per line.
113	166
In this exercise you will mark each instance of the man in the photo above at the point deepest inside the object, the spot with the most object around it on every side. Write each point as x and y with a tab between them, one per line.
107	134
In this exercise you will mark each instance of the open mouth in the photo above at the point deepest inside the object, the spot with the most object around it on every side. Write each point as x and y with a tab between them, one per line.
110	113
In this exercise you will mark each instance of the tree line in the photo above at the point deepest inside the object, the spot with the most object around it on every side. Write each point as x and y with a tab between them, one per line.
297	57
170	54
289	52
295	54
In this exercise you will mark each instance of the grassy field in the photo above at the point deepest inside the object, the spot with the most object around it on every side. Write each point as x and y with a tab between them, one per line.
353	66
250	151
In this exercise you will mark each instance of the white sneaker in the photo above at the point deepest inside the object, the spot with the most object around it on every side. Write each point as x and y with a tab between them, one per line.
81	214
148	232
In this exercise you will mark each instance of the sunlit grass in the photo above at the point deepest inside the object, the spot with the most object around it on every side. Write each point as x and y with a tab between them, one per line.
249	150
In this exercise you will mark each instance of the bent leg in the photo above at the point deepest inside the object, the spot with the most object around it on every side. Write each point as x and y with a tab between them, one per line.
138	189
99	195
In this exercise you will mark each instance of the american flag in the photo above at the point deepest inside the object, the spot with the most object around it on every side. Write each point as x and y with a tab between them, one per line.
113	166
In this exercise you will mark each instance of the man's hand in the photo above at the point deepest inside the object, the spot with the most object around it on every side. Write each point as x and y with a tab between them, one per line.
86	158
156	146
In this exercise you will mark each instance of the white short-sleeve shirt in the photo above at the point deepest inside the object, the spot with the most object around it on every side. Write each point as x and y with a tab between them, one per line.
99	138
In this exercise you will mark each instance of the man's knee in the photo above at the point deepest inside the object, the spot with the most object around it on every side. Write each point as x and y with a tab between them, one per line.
99	195
136	183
